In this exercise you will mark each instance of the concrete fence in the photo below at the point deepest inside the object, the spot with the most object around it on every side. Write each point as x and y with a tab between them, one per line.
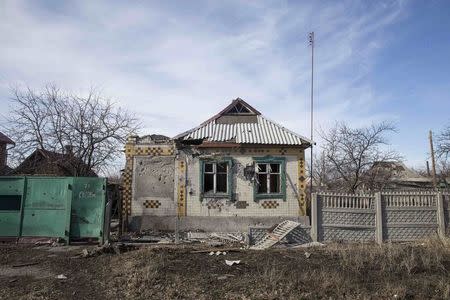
383	216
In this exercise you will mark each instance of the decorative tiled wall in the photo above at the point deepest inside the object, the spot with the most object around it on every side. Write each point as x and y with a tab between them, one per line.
243	203
132	149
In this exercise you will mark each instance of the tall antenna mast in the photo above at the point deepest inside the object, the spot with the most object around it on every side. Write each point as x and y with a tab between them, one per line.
311	43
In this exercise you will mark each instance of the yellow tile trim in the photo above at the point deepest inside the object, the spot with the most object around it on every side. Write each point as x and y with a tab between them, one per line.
301	184
181	189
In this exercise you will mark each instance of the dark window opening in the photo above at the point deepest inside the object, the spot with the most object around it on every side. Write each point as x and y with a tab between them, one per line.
209	183
269	178
221	185
10	202
262	186
275	183
215	177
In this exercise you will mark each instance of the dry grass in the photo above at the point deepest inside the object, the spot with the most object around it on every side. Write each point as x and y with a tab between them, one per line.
337	271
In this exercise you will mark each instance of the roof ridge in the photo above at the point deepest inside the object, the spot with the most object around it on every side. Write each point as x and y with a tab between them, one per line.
267	131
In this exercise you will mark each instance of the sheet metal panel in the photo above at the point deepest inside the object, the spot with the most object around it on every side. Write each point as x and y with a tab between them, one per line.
262	132
11	191
88	207
46	210
52	207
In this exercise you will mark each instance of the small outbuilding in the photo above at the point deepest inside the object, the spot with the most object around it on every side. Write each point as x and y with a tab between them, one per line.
235	170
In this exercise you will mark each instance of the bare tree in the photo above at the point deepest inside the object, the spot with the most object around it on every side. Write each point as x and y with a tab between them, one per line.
91	128
323	178
443	143
443	152
349	154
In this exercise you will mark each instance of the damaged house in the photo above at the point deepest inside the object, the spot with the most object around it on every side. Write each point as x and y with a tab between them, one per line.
235	170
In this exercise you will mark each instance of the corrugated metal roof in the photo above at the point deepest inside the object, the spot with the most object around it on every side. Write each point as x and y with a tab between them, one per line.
264	131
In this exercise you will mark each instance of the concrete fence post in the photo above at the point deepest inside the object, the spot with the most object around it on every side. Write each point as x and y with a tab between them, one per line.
440	214
378	219
314	218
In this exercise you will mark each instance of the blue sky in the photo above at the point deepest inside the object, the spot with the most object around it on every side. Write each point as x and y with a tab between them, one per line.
176	63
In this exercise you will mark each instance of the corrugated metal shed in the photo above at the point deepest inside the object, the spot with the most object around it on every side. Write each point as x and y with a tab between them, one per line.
264	131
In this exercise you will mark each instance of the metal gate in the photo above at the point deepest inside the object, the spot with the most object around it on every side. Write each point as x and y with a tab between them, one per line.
46	209
88	208
64	207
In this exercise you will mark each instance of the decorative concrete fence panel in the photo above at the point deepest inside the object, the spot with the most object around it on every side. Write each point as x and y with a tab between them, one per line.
409	215
344	217
383	216
446	210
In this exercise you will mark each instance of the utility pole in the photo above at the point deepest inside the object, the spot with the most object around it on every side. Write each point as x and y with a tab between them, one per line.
433	162
311	43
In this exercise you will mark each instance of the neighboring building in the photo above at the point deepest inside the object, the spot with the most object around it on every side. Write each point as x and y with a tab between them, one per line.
45	163
234	170
4	142
386	175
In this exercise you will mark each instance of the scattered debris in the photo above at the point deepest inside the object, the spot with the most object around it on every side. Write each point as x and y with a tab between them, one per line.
213	251
307	254
25	264
215	237
232	262
43	243
115	248
223	277
53	242
273	237
231	237
61	276
308	245
197	235
85	253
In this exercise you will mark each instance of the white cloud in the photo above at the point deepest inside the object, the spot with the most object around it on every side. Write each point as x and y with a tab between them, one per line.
178	64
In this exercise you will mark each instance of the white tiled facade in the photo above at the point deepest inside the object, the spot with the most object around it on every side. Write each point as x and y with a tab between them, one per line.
170	185
243	192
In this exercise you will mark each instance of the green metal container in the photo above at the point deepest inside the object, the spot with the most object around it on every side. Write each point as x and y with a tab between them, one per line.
11	194
88	208
61	207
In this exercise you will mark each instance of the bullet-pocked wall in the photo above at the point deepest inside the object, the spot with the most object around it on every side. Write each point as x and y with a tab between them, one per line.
153	186
162	182
148	178
242	200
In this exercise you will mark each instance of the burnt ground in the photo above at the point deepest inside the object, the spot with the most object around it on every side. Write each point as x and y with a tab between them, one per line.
394	271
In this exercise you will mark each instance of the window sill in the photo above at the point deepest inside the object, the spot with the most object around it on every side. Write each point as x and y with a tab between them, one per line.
270	196
216	195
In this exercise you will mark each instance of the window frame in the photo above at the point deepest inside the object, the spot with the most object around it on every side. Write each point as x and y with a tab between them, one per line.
229	164
270	160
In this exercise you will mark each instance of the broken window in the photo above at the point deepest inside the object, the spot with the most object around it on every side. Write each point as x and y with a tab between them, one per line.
215	177
269	178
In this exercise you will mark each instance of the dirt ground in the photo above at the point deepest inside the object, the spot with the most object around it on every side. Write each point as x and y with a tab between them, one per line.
394	271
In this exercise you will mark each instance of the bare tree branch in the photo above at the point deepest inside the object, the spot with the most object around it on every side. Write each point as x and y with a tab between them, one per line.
92	127
349	153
